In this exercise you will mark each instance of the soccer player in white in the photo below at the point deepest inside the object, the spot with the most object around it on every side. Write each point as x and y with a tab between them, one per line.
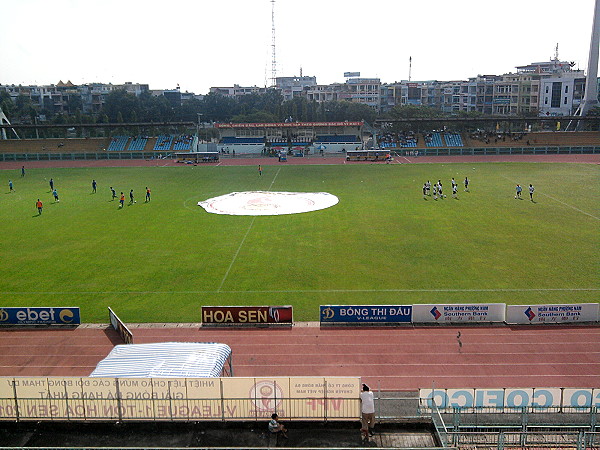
435	191
531	189
454	189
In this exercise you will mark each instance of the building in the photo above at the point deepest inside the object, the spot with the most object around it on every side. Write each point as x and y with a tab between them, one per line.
561	94
291	87
237	91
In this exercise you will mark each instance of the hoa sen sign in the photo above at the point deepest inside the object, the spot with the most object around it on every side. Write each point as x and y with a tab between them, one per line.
242	315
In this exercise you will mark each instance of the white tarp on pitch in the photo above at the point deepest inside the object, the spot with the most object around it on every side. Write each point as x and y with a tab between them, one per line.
263	203
164	360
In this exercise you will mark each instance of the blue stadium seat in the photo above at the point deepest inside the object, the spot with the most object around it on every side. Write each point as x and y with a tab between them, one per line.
137	144
453	140
433	140
118	143
183	143
163	143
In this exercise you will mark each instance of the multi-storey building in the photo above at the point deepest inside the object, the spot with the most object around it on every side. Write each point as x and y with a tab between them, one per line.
237	91
291	87
561	94
545	88
362	90
325	93
417	93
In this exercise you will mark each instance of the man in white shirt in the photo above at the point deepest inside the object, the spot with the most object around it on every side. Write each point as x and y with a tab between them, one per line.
531	189
367	408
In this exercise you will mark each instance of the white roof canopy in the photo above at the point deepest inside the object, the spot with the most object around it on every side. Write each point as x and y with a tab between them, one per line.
166	360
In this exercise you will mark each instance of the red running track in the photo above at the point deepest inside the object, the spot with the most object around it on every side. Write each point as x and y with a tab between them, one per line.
403	358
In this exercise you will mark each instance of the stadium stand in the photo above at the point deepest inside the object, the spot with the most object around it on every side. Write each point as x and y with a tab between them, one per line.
183	143
344	138
453	140
239	140
163	143
406	139
137	144
433	139
118	143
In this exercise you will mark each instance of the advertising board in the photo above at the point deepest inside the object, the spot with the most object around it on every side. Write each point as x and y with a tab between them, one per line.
178	399
40	316
459	313
366	313
509	399
553	313
247	315
120	327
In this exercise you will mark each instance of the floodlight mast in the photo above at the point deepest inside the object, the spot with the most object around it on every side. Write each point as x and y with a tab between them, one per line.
590	97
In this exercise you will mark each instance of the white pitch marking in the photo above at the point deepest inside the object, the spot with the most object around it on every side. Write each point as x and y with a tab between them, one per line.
557	200
244	239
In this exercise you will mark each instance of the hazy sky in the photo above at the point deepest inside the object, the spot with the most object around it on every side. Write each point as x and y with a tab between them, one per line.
199	44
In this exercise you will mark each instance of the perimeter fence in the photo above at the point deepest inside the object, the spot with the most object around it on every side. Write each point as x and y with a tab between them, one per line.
493	428
453	151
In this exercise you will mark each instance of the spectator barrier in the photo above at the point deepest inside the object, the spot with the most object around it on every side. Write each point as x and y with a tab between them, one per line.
178	399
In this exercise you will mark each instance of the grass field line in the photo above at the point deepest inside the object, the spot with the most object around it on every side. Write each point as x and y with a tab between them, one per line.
293	291
570	206
235	255
556	200
237	252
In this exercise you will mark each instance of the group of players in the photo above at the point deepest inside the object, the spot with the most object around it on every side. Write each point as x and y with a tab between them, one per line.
39	204
438	189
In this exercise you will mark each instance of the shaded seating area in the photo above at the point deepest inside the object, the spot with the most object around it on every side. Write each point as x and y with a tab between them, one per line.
453	140
230	140
163	142
183	143
433	139
343	138
406	139
118	143
137	144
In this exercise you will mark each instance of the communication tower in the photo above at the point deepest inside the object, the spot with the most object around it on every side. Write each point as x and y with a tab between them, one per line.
273	58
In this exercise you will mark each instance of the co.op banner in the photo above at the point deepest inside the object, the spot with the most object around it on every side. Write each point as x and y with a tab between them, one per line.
459	313
540	314
40	316
448	399
366	314
243	315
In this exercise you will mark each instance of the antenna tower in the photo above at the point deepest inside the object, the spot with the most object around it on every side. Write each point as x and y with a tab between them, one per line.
273	59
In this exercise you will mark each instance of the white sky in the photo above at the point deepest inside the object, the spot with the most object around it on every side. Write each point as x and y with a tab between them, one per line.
199	44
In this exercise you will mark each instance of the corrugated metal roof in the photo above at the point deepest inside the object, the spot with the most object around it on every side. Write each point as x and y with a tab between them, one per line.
164	360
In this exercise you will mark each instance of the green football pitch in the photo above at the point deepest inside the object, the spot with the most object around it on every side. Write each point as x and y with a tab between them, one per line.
381	244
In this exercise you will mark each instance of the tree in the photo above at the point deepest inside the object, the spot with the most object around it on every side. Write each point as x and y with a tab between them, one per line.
120	102
255	117
7	104
218	108
25	110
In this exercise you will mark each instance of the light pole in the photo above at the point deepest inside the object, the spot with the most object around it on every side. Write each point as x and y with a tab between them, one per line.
198	130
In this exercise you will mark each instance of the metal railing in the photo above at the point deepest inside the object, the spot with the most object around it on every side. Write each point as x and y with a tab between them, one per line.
445	151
